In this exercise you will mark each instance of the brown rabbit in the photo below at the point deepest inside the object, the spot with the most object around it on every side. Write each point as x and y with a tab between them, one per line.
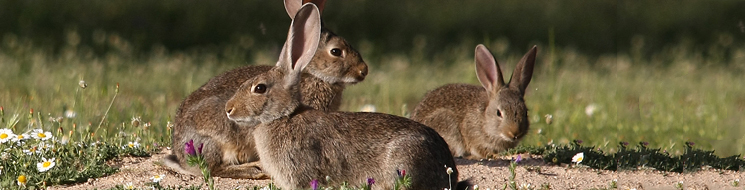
228	147
298	144
478	122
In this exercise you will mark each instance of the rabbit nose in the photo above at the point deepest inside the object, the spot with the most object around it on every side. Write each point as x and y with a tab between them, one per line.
362	73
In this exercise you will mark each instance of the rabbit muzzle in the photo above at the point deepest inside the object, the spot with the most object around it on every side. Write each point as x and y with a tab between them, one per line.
356	74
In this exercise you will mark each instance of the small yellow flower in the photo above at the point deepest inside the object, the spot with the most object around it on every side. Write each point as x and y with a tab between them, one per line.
6	135
21	180
40	134
20	137
45	165
157	178
578	157
134	144
129	185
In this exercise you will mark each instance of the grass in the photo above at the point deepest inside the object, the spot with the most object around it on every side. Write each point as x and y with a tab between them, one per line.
679	95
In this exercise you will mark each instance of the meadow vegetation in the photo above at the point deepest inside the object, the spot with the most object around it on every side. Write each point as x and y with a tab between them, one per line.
680	93
677	96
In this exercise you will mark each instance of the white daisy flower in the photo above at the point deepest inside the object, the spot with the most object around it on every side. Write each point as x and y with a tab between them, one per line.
45	165
134	144
45	146
129	185
40	134
367	108
157	178
578	157
6	135
22	180
590	110
70	114
524	186
32	150
21	138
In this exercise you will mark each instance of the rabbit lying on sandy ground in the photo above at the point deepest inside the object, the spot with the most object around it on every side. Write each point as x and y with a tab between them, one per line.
480	121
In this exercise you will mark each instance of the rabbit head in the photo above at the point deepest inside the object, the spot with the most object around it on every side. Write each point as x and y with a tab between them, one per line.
275	94
335	60
506	116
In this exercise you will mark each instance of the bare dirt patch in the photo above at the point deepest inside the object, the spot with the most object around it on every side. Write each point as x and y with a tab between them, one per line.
487	174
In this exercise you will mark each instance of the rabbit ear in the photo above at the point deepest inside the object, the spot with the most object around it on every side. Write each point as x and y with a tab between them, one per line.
524	71
487	69
292	6
302	41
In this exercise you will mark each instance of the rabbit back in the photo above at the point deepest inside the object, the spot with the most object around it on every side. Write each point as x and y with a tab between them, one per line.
352	147
453	111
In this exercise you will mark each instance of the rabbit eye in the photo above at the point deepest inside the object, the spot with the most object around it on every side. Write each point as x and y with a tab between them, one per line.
499	113
336	52
259	88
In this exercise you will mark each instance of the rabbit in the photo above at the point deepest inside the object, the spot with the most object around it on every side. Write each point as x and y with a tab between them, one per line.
297	143
479	122
201	117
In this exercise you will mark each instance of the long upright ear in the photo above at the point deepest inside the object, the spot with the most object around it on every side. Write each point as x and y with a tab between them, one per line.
292	6
302	41
487	69
524	71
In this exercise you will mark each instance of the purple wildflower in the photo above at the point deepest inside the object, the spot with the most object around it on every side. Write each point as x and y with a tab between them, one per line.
401	173
645	143
690	143
199	150
578	141
189	148
370	181
314	184
519	158
625	143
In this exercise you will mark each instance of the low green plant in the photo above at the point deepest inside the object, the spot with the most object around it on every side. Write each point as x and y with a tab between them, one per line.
640	156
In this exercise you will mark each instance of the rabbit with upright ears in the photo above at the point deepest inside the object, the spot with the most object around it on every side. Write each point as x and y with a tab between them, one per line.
228	146
480	121
298	144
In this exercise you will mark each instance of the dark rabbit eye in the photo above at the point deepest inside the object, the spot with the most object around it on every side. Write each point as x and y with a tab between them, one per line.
336	52
259	88
499	113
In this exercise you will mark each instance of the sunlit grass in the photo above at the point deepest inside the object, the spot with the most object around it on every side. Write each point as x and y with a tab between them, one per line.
602	101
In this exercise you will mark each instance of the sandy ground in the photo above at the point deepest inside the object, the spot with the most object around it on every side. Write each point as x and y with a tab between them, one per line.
486	174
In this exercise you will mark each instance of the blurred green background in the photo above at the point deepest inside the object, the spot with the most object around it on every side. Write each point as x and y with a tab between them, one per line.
593	27
664	72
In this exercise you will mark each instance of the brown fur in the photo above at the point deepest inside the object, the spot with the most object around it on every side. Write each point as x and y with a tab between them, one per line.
229	147
466	115
298	144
